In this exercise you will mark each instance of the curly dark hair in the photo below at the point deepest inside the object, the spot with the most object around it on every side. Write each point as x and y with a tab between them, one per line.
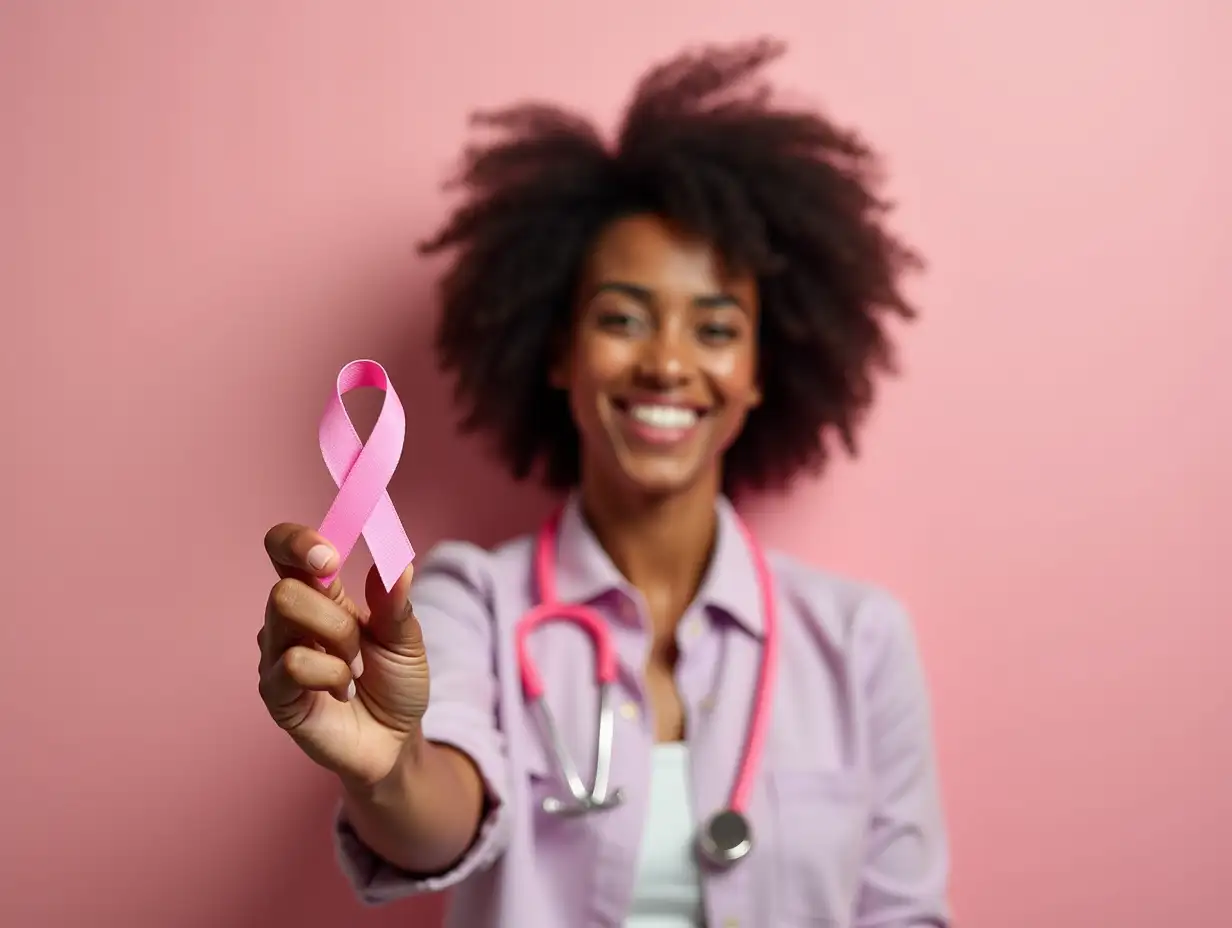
781	193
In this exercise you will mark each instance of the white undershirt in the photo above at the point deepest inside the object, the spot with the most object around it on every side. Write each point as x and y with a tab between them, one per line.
667	890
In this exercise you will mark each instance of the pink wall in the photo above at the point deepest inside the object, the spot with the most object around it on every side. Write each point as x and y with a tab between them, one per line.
206	207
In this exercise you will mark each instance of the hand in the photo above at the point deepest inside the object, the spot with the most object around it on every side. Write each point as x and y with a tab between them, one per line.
348	683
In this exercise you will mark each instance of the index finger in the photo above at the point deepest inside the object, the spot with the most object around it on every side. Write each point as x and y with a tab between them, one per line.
299	551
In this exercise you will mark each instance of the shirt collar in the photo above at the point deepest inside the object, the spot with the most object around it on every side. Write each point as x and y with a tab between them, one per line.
584	572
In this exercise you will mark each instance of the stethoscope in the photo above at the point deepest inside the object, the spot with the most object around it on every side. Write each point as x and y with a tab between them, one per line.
727	835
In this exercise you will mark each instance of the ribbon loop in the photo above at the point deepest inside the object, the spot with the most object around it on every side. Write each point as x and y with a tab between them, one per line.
362	473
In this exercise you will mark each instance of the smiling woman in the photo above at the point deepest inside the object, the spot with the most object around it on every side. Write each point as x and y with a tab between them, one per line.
652	328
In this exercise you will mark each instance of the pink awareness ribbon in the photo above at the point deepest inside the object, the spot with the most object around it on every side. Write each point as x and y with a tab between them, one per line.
362	473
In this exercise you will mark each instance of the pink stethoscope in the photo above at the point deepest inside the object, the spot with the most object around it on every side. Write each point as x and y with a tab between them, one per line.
727	835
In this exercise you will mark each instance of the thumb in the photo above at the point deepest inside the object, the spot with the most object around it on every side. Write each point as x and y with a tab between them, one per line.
391	621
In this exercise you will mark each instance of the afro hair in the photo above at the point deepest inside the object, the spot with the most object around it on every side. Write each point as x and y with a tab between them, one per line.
780	193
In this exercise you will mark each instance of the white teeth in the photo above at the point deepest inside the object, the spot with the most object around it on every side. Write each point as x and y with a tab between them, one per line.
664	417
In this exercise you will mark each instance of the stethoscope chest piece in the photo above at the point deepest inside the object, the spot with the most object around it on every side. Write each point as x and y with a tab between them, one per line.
725	838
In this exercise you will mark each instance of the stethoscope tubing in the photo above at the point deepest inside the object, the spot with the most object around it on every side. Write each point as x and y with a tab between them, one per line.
600	795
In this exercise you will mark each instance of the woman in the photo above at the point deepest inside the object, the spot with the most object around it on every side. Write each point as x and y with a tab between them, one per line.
652	329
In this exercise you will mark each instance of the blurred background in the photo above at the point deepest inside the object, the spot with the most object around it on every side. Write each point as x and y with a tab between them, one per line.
206	208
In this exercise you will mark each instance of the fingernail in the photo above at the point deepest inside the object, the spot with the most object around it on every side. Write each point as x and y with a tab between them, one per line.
350	693
357	667
319	556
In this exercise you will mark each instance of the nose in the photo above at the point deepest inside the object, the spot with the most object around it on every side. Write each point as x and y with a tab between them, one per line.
665	360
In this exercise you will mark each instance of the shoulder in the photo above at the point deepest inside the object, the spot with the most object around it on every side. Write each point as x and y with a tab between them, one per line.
484	571
460	588
854	616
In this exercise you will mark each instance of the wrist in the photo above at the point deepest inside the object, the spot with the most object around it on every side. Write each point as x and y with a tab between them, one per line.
388	781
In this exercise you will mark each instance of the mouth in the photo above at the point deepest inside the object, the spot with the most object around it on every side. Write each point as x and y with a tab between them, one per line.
659	423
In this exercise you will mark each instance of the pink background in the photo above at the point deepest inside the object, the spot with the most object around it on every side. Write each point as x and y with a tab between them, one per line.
207	207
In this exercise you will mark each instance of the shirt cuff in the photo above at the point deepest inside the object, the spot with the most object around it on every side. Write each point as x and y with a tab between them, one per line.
374	880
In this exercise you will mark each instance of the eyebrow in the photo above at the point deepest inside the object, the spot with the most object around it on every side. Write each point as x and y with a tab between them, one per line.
645	296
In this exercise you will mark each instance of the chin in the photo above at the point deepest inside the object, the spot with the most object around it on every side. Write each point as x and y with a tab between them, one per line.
643	469
657	479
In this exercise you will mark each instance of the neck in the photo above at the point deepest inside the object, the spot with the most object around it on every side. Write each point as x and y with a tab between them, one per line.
661	544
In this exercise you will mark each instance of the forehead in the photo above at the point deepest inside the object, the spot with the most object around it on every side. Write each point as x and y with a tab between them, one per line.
646	250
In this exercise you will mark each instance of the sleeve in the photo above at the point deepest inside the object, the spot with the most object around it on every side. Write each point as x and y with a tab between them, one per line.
451	594
906	869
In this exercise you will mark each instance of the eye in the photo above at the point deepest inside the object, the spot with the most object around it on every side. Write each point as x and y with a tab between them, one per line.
717	333
618	321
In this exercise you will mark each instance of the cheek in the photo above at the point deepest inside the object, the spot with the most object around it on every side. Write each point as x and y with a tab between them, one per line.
598	362
594	369
734	375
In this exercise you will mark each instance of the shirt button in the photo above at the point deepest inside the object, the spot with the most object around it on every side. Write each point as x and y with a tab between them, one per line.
629	710
707	704
731	923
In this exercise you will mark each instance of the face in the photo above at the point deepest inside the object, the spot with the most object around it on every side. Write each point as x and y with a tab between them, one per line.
661	370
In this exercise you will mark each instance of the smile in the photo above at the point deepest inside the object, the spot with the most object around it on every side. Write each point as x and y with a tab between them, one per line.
659	424
664	417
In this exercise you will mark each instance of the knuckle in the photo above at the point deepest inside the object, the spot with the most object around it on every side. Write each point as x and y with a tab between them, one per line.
276	536
296	662
345	626
336	626
295	603
280	539
337	594
339	674
285	596
413	631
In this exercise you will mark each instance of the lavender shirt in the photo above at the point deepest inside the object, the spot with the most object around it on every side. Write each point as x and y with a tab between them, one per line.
846	812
